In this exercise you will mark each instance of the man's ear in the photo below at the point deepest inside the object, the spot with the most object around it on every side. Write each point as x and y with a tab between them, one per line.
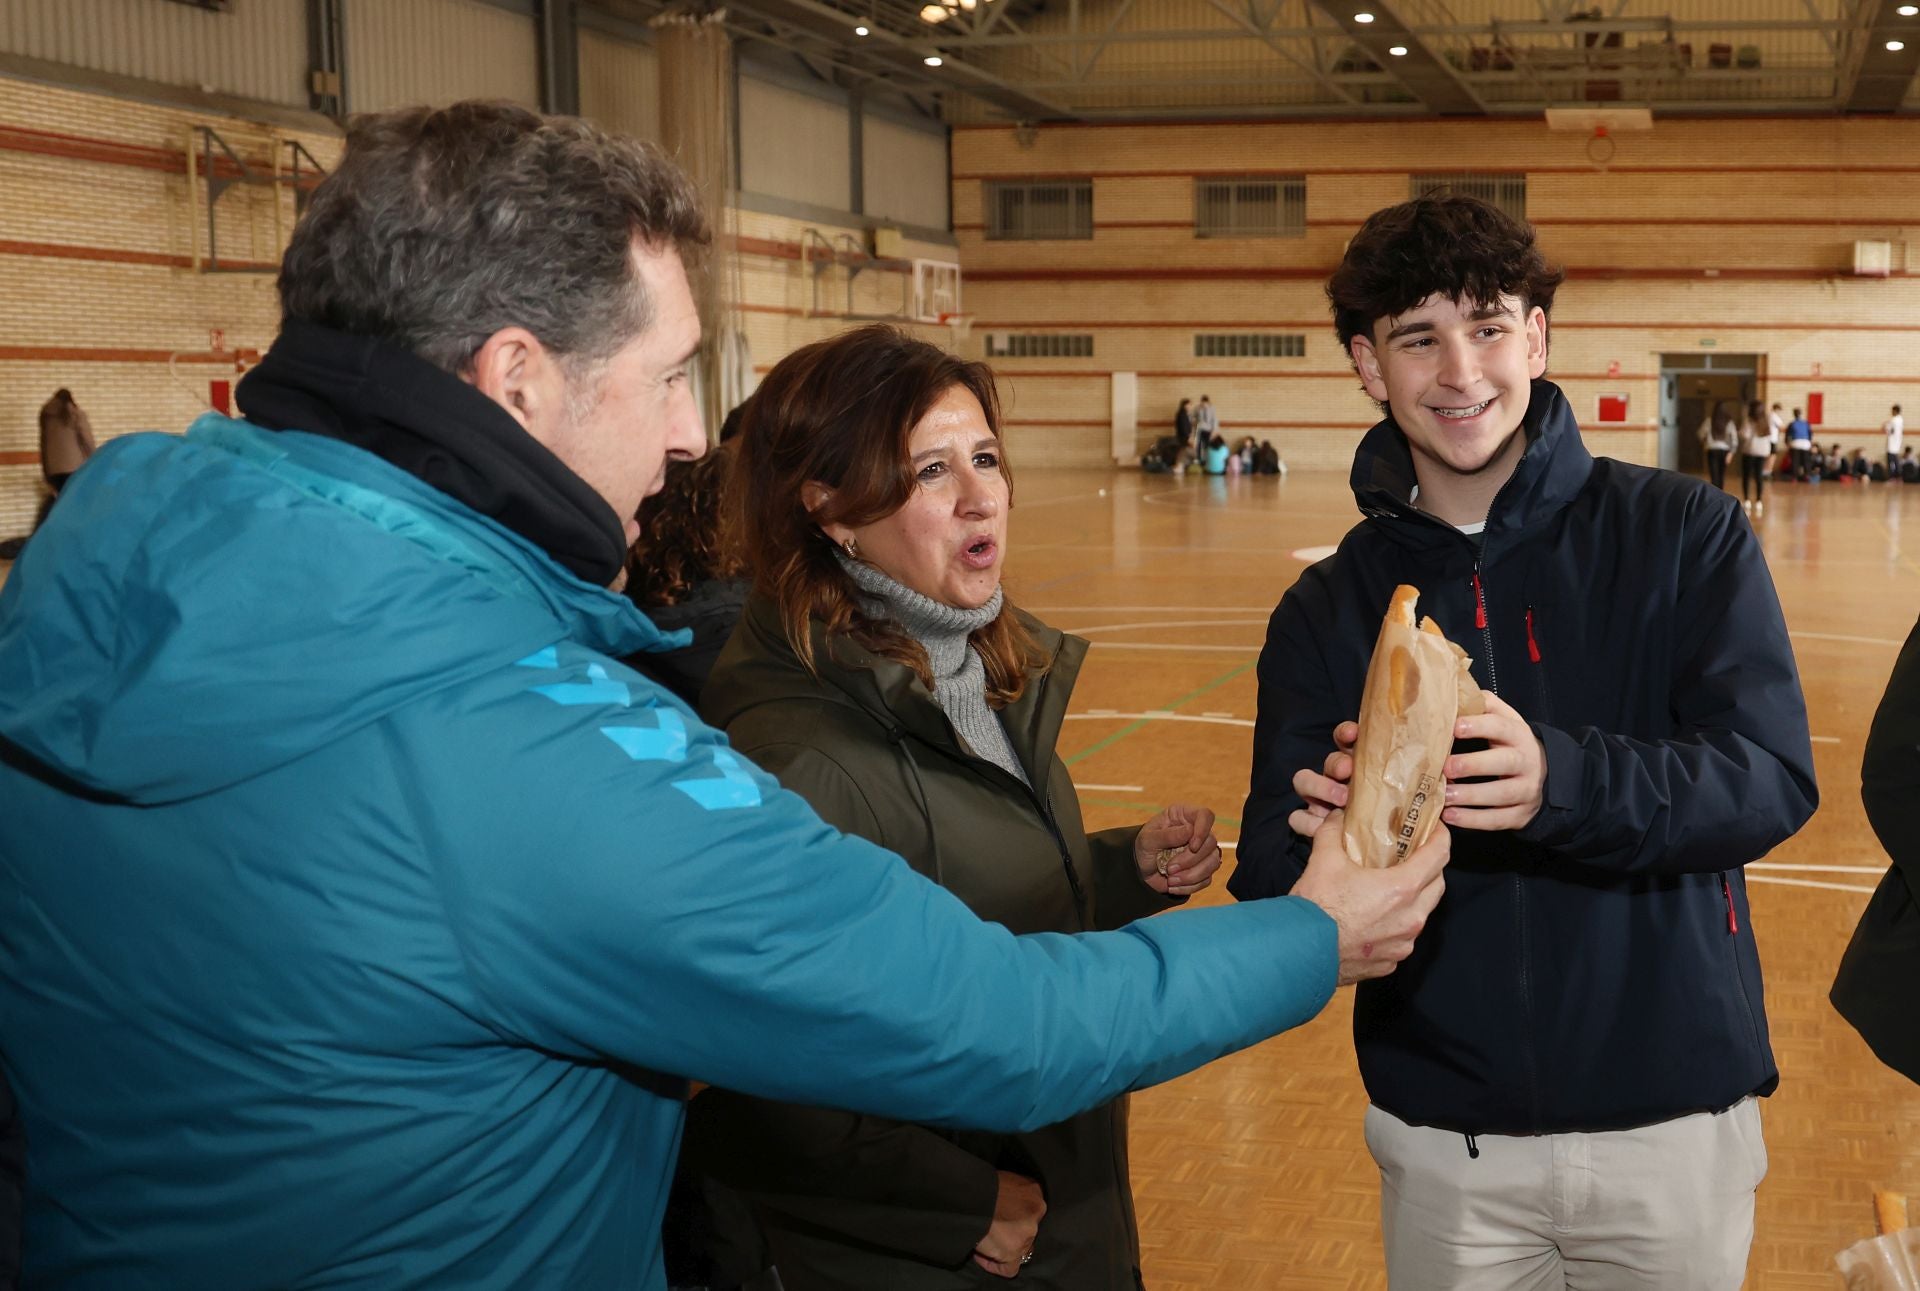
813	496
1536	342
516	371
1366	361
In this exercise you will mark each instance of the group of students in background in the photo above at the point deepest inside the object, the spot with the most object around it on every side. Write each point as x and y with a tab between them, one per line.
1197	444
1767	442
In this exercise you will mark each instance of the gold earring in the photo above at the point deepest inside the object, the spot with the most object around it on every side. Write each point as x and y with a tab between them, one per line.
852	548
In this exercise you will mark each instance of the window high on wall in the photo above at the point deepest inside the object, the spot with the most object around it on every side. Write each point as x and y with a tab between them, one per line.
1274	207
1506	191
1039	210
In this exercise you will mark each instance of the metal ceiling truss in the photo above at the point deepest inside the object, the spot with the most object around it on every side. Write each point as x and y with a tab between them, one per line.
1042	60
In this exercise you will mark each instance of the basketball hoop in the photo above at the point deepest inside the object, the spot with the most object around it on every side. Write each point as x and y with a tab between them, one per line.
959	326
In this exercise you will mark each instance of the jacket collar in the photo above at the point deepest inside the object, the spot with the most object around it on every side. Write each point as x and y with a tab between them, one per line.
1550	474
893	695
438	429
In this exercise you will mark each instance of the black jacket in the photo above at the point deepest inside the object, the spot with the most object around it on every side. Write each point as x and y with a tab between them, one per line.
1875	986
848	1201
1596	970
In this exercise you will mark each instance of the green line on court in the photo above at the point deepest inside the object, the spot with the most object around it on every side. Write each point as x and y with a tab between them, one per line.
1131	727
1230	821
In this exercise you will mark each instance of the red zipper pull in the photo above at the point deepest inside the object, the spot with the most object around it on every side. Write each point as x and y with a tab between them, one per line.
1726	890
1479	603
1533	646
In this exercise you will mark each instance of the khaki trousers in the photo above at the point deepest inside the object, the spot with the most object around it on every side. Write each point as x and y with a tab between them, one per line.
1666	1207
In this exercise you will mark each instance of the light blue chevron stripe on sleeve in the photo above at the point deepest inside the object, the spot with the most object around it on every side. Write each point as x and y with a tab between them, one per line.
665	743
596	689
734	787
548	659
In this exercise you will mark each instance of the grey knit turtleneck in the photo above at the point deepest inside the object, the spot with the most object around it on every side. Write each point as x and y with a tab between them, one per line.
959	677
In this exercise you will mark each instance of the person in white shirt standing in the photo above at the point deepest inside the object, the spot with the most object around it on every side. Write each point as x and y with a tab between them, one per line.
1895	428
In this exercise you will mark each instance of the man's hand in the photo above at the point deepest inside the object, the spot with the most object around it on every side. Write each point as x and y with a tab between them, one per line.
1379	912
1017	1209
1513	758
1326	790
1176	850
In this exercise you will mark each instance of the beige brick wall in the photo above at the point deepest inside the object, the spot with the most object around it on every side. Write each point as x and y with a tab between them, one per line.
98	231
1738	234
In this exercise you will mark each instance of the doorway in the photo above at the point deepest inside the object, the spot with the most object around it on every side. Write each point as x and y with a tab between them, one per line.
1690	384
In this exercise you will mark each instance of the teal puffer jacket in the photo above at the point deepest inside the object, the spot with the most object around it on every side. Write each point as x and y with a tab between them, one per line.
361	918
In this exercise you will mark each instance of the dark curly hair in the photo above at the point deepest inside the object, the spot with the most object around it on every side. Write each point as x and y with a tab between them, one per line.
686	533
1460	248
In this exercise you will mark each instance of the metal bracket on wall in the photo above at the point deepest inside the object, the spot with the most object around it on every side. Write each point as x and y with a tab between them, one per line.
214	165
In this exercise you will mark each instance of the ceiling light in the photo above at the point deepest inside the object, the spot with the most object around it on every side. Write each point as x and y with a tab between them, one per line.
1363	17
1398	51
935	13
1908	10
1896	45
931	60
861	30
968	5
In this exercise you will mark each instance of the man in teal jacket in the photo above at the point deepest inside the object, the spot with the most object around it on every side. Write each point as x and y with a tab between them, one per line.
361	919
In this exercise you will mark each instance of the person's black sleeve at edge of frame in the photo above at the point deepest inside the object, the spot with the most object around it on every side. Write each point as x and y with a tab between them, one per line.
1874	988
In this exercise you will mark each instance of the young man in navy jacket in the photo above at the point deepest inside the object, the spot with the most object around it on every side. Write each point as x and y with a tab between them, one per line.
1563	1075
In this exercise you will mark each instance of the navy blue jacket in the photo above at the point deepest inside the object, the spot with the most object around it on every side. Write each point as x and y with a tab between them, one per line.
1597	969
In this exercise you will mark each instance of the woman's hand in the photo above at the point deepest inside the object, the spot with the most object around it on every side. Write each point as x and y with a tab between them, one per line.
1018	1207
1176	850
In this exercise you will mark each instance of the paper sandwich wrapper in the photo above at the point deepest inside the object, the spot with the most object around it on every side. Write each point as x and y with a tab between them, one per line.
1417	685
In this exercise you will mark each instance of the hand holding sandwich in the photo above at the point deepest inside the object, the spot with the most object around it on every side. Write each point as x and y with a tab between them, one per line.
1514	767
1380	911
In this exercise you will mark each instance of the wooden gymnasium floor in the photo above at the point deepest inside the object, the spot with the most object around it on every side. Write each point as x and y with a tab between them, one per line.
1251	1173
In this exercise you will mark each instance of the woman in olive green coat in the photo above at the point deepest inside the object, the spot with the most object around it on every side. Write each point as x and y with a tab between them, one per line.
879	673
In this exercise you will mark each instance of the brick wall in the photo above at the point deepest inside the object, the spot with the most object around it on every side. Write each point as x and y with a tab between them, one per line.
98	233
1698	237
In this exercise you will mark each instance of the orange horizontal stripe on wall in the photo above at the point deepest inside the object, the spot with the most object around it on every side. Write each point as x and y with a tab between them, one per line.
1597	273
1342	374
81	148
112	152
1822	117
1023	176
1559	325
120	255
99	354
22	458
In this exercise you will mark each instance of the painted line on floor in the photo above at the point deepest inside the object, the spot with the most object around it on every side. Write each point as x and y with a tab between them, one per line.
1893	541
1168	623
1162	716
1836	636
1811	883
1817	869
1172	645
1150	609
1142	719
1824	739
1110	788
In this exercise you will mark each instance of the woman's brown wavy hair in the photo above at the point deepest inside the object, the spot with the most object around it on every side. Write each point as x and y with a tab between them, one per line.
841	412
